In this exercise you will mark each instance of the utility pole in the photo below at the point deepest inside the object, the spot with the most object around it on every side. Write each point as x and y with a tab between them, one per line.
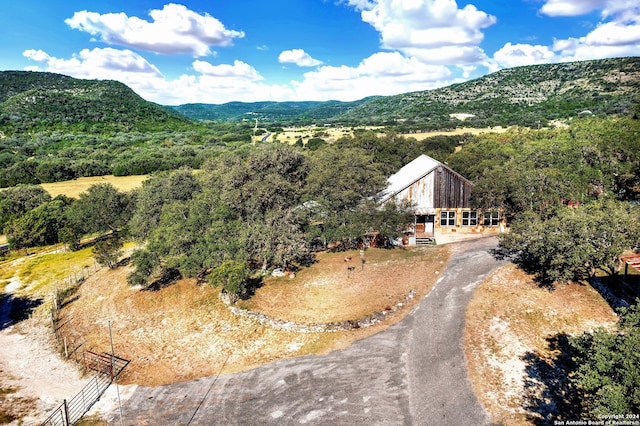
116	377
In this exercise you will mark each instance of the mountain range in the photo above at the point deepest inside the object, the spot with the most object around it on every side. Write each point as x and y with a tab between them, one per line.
516	96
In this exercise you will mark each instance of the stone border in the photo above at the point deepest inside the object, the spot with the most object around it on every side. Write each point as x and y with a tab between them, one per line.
328	327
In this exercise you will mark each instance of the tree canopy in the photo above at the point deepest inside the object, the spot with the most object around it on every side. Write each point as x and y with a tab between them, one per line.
608	368
572	243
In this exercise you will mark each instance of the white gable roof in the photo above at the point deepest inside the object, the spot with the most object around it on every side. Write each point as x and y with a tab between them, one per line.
411	172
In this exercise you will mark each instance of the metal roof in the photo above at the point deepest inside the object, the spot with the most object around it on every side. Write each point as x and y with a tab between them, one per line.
410	173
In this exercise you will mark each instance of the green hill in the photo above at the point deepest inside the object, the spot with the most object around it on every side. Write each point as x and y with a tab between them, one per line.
529	96
268	111
37	101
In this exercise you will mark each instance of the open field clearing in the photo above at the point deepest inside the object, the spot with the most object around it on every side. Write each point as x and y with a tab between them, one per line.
508	326
463	131
331	134
73	188
291	134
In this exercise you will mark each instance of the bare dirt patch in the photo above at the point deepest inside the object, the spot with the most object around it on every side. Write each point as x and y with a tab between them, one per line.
509	321
344	288
183	331
32	374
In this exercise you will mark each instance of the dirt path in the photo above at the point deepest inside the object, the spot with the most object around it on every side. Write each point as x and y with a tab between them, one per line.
412	373
32	373
29	365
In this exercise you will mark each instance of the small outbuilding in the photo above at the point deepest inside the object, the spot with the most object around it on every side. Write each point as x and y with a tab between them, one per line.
441	202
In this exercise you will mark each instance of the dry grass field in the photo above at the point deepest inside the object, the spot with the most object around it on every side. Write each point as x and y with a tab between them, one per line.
508	323
461	131
330	292
73	188
331	134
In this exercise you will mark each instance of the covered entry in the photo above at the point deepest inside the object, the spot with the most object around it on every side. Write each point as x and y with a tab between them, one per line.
424	225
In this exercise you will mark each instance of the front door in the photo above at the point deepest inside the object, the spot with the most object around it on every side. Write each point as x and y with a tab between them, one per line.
429	224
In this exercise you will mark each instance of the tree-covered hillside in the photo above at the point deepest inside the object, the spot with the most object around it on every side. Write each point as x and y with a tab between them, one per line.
35	101
527	96
285	112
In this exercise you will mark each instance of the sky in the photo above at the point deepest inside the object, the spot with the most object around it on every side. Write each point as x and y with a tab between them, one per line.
218	51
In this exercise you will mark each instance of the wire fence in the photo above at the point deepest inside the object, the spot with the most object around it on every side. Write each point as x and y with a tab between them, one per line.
107	367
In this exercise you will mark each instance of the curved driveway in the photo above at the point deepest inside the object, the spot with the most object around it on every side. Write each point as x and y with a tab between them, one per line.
413	373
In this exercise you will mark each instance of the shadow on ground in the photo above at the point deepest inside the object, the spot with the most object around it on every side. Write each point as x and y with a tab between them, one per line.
14	309
549	394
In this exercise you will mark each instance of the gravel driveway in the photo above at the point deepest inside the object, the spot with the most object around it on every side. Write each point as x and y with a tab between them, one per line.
414	373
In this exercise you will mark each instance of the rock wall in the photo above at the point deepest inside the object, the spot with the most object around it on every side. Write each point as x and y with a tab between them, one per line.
327	327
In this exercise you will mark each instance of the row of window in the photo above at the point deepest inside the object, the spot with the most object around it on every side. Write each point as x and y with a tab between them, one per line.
469	218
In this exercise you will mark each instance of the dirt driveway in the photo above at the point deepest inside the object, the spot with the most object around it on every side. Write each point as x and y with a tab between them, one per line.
414	373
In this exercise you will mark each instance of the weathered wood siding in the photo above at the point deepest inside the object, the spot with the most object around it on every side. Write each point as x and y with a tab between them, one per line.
450	190
442	188
420	193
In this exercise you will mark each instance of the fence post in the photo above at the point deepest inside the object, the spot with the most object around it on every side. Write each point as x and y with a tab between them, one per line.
66	413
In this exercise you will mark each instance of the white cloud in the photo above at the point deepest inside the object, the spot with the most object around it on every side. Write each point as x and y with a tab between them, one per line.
107	63
174	29
621	10
359	4
213	84
239	70
617	35
443	55
571	7
298	57
515	55
614	34
384	73
433	26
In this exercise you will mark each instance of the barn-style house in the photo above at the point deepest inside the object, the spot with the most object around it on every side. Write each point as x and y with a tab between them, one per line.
441	202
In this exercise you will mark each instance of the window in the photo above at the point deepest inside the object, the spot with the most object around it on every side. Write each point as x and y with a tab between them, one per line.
491	219
469	218
447	218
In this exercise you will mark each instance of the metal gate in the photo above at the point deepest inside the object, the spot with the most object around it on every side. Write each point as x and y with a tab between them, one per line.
108	368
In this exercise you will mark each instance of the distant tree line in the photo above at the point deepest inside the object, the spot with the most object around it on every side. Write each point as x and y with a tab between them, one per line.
570	195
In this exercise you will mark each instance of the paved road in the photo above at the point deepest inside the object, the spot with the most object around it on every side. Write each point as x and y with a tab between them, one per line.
414	373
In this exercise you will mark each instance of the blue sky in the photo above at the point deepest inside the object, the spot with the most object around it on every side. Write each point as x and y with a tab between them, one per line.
217	51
